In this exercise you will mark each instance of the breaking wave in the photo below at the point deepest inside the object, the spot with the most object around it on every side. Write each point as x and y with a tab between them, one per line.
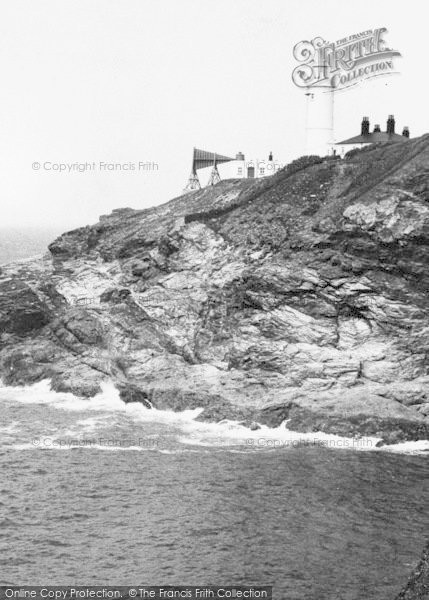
107	412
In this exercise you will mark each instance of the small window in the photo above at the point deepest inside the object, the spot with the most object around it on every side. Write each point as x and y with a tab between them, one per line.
261	171
240	170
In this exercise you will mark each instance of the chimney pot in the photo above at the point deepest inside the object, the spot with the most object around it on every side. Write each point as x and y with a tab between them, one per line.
390	124
365	126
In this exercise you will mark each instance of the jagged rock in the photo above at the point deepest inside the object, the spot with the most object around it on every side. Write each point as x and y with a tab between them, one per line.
274	415
20	367
141	268
115	295
217	409
78	327
77	379
254	426
56	299
417	587
302	296
391	430
74	243
21	310
29	360
133	394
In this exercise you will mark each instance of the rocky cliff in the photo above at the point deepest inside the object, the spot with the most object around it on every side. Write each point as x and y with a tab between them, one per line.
303	296
417	587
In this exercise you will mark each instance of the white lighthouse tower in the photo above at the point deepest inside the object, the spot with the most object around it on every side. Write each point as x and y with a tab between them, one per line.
320	120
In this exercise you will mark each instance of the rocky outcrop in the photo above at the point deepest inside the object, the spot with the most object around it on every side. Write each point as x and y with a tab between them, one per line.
302	296
417	587
21	310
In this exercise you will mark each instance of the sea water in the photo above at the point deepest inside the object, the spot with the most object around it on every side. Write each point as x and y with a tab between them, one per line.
99	492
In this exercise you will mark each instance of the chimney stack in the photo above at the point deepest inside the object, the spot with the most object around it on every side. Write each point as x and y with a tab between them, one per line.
364	128
377	129
406	132
390	124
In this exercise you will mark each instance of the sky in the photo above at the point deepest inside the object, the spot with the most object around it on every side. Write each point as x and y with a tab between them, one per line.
144	81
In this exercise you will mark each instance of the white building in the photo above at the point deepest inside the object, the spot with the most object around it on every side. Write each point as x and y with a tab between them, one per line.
240	168
365	138
225	167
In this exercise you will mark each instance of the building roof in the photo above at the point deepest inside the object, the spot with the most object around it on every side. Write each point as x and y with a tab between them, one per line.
377	137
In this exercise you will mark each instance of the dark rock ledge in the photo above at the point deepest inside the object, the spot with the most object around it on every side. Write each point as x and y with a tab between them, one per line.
417	587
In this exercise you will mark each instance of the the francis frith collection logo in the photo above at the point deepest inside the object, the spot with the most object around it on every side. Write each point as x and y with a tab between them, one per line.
343	63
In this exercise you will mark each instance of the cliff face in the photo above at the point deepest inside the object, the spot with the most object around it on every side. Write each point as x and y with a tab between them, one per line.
301	296
417	587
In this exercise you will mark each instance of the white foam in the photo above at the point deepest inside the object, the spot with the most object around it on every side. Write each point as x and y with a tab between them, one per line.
104	447
41	393
107	400
91	424
153	415
225	434
231	433
418	447
30	446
